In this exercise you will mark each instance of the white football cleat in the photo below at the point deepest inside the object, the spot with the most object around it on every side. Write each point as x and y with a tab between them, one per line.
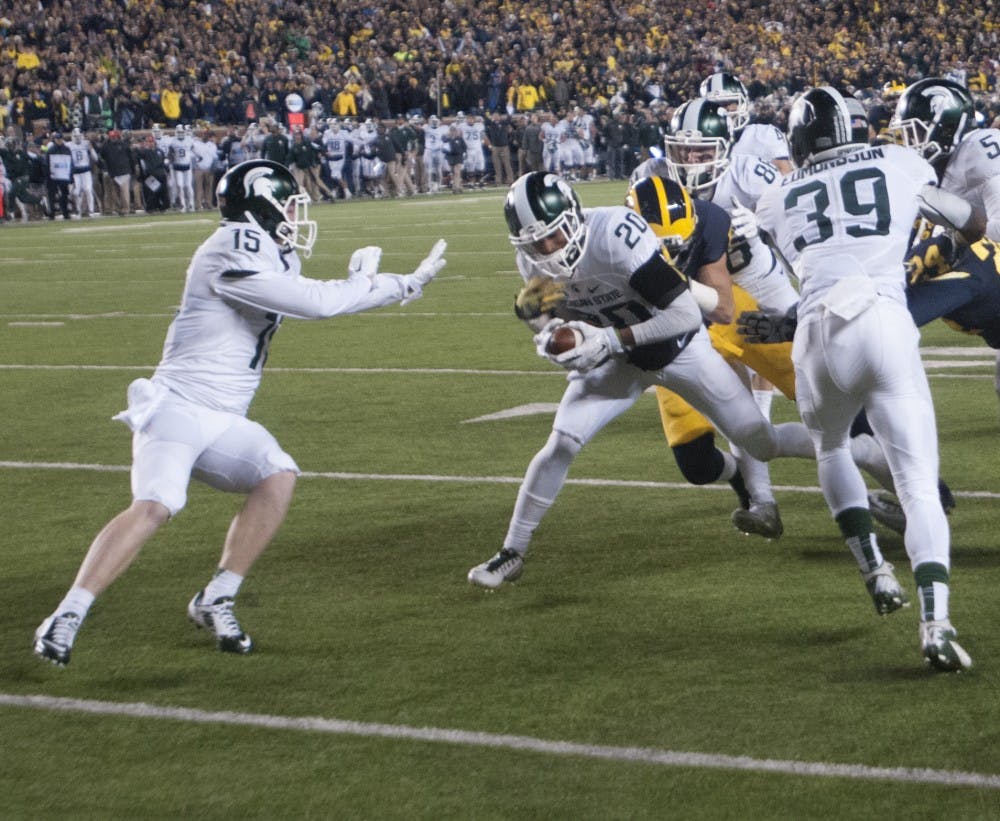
505	566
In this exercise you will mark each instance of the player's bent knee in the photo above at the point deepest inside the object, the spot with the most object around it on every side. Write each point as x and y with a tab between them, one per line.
699	461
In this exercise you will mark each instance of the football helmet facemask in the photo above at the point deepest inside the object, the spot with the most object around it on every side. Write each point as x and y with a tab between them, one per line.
77	136
728	90
541	205
668	209
932	115
824	123
698	146
265	192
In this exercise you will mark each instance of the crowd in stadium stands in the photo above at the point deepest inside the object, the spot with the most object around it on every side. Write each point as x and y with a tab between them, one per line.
122	66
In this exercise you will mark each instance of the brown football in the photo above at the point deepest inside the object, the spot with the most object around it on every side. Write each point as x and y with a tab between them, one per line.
563	339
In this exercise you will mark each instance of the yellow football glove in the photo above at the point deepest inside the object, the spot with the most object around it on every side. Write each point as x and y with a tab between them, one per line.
540	295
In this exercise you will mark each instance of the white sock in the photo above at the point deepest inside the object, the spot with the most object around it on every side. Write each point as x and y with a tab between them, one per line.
763	400
224	584
77	601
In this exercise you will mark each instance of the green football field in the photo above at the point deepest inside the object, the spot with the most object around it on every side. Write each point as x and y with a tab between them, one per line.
652	663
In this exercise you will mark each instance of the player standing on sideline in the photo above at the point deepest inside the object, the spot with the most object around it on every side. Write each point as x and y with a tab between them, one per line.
843	220
190	418
640	326
182	161
84	159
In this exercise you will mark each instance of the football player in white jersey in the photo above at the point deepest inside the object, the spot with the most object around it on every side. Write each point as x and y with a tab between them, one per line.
189	419
434	159
759	140
586	131
182	159
84	157
473	134
551	135
937	117
843	220
639	326
336	150
570	150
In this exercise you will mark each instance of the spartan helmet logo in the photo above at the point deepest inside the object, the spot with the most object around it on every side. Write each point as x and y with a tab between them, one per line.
257	184
939	100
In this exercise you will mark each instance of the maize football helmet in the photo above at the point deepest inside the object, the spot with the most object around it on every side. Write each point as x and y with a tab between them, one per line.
932	115
265	193
668	209
541	205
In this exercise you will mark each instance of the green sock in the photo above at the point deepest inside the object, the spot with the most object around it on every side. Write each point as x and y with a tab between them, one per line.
932	586
856	525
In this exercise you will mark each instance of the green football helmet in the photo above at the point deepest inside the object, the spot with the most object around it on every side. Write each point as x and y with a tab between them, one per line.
932	116
265	192
728	90
540	205
698	146
824	123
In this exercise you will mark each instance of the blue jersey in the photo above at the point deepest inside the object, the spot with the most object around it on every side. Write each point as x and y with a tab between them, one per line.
965	293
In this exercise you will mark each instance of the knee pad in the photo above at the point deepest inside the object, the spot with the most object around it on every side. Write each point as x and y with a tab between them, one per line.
700	462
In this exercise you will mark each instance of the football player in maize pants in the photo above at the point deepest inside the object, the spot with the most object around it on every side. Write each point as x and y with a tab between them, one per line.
683	425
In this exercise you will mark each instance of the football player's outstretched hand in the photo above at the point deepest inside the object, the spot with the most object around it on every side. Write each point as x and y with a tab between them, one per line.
413	284
364	262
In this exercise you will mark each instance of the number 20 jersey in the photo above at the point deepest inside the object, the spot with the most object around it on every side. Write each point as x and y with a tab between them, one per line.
621	279
847	216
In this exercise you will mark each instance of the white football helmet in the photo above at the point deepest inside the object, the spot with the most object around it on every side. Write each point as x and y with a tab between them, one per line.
179	131
77	136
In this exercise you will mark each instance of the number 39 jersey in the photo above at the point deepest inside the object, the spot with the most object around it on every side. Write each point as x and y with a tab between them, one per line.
848	216
622	279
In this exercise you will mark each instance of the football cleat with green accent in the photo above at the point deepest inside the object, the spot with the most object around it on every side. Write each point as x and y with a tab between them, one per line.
941	651
887	593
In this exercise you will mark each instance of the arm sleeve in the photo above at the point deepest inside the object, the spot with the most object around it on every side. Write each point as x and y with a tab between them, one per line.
682	316
305	298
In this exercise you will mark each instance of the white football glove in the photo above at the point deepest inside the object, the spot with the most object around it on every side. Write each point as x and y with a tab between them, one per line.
598	346
413	284
364	263
541	339
744	222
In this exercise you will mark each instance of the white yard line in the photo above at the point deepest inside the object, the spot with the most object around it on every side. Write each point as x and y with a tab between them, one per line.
641	755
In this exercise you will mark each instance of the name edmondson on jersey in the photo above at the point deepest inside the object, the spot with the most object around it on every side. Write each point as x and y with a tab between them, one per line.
875	153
